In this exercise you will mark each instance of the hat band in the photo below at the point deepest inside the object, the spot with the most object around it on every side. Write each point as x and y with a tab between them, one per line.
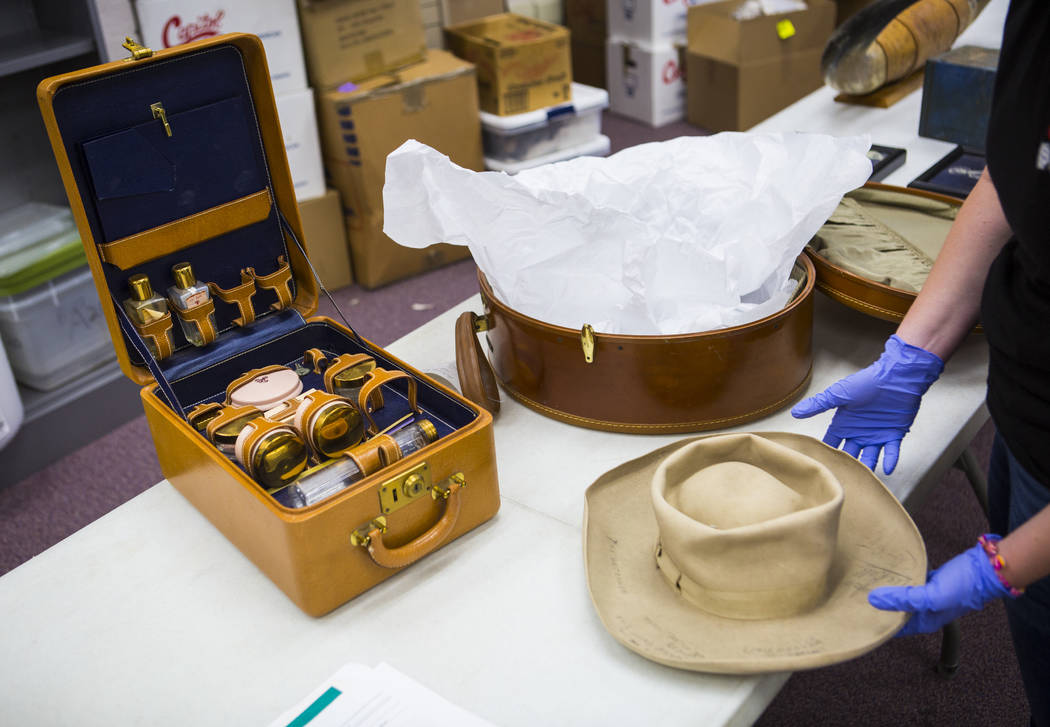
745	605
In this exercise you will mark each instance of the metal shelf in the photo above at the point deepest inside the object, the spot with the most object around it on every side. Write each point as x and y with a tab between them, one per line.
40	49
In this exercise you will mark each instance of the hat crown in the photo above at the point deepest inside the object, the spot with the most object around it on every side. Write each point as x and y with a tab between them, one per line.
748	527
734	494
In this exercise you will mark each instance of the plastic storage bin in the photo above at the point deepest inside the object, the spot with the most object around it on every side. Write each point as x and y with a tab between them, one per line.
51	321
11	410
597	147
545	131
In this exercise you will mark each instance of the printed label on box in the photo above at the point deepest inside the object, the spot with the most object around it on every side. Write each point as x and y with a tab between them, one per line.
167	23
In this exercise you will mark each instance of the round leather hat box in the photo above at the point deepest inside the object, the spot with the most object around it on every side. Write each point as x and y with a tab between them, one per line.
640	384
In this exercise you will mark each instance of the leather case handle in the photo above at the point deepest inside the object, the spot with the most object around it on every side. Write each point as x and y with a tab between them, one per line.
241	295
476	377
375	379
425	543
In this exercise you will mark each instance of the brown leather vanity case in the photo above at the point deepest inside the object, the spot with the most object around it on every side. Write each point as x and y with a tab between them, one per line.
640	384
177	156
920	219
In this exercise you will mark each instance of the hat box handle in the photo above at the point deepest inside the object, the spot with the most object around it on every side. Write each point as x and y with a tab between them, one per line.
476	377
426	543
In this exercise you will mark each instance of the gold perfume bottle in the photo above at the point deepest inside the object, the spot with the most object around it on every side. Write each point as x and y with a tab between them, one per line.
186	294
144	307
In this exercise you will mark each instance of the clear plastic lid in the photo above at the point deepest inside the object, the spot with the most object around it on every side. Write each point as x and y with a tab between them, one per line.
38	242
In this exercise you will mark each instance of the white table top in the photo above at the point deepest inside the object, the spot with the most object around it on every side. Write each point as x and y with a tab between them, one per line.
149	615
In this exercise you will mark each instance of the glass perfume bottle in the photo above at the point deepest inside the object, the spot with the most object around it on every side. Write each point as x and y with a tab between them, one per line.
144	306
323	481
186	294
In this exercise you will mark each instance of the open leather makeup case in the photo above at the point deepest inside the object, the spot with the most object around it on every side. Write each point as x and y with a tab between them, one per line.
177	157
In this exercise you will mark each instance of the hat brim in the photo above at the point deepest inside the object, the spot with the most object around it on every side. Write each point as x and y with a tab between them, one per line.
878	545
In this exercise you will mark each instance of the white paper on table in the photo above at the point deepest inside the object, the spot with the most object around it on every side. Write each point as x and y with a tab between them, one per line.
362	696
682	236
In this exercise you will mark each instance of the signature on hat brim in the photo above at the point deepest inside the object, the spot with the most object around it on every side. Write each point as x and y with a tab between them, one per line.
878	545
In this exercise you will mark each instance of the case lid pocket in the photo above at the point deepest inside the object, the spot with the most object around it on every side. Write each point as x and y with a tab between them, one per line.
126	164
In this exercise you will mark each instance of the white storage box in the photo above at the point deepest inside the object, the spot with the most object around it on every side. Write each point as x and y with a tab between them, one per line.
545	131
55	331
645	81
167	23
649	21
11	409
298	118
597	147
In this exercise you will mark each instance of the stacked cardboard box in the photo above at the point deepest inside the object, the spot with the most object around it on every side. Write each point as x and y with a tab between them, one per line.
434	102
166	23
523	64
439	14
743	71
643	71
588	30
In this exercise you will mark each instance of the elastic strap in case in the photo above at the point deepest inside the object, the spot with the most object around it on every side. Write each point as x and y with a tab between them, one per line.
132	335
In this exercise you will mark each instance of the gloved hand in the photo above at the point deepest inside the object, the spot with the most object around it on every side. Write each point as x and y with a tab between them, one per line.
965	583
876	405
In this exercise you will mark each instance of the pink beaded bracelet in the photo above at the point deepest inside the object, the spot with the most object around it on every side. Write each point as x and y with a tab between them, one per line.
990	543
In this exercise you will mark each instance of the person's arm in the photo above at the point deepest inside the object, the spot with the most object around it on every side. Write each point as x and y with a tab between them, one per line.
947	307
1026	551
875	407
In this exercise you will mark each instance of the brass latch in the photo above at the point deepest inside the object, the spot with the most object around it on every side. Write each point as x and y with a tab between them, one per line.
361	537
587	341
138	52
481	323
160	113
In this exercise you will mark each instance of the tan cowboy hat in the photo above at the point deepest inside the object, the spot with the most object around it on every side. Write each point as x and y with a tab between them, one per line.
747	553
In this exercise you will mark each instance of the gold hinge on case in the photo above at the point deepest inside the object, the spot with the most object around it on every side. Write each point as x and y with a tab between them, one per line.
587	341
481	323
159	113
138	52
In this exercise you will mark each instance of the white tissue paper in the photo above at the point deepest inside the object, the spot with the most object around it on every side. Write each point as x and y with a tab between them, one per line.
681	236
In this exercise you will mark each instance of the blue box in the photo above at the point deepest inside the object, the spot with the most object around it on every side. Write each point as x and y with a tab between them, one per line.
957	96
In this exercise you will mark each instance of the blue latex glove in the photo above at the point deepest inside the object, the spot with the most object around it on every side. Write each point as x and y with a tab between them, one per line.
963	584
876	405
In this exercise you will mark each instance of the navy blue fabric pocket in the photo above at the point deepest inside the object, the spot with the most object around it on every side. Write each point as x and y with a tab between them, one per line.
142	178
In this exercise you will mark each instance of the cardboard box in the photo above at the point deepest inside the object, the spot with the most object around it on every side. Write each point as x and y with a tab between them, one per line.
435	102
523	64
650	21
743	71
377	260
729	97
351	40
588	63
167	23
440	13
587	21
645	82
301	142
325	239
714	33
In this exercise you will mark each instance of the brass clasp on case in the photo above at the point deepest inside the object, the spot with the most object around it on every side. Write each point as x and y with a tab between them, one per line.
480	323
587	341
138	52
439	492
360	536
159	113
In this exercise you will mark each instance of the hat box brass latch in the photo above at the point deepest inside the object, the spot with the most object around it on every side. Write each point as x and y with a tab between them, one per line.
587	341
